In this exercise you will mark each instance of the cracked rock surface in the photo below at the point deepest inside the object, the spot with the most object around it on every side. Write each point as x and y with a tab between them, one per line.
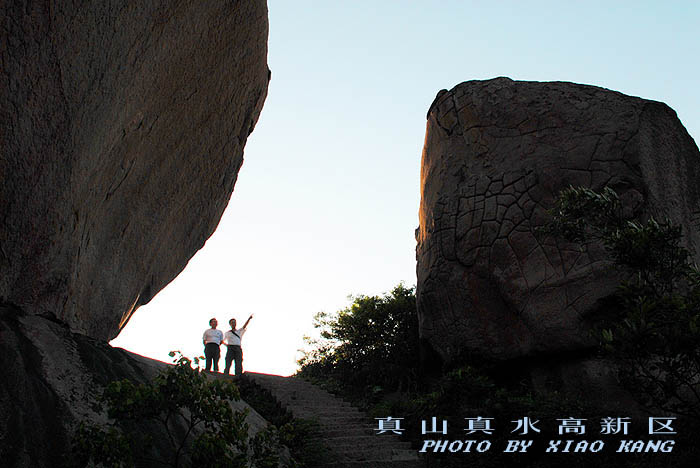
496	155
122	128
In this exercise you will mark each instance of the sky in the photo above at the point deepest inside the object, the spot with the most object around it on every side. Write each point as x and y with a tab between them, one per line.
326	202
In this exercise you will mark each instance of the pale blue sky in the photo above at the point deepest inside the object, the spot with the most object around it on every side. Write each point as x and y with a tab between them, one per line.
327	200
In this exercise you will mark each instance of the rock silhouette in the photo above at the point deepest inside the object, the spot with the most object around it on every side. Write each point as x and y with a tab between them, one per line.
52	380
496	155
123	126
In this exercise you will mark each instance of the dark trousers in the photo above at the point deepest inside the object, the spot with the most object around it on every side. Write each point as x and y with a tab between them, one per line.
234	353
212	353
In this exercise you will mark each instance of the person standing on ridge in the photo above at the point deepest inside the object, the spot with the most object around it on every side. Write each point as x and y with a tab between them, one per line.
212	339
234	352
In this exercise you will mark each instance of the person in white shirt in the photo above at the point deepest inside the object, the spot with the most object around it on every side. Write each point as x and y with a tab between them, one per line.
234	352
212	339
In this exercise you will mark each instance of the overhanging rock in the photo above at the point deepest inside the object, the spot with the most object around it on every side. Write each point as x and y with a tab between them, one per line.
123	126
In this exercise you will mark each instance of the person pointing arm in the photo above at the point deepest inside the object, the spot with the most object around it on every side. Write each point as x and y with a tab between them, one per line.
247	321
234	352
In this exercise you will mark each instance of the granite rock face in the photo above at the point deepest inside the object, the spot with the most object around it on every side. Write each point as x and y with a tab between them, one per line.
496	155
122	130
52	378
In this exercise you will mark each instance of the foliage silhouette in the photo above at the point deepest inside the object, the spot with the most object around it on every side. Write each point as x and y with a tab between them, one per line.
370	346
192	411
652	323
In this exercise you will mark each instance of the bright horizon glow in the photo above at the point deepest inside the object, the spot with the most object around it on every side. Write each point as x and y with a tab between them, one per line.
326	202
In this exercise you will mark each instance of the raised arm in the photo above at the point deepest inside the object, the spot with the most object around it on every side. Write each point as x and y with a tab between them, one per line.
247	321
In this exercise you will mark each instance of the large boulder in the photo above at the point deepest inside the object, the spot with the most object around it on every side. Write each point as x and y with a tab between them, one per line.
52	380
496	155
123	125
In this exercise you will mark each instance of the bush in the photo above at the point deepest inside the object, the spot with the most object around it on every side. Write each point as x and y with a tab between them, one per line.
191	411
652	323
371	345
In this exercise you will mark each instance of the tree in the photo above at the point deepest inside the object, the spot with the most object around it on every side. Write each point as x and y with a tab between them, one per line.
193	412
652	323
372	343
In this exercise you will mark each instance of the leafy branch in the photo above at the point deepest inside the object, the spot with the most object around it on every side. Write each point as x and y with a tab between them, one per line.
194	414
652	325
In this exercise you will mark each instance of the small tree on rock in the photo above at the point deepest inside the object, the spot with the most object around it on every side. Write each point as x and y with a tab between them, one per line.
652	323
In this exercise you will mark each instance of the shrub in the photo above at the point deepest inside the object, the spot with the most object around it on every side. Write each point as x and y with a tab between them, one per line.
193	412
652	323
371	345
